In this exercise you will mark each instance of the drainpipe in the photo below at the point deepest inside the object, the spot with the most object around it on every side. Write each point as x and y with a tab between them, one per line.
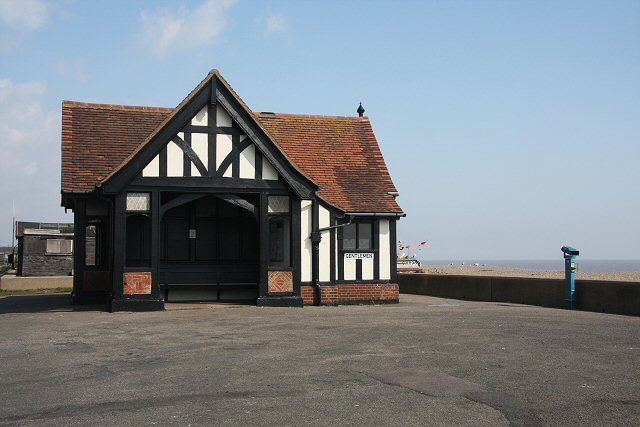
316	238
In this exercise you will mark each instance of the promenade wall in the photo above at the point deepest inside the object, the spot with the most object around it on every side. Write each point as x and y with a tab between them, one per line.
591	295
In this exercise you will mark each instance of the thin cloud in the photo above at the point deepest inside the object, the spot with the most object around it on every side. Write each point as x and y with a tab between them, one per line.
72	69
25	15
167	30
30	160
25	126
275	22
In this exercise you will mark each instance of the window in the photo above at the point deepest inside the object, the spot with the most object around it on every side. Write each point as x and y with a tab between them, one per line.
279	241
279	208
138	252
278	204
92	245
138	234
357	236
59	246
138	202
95	244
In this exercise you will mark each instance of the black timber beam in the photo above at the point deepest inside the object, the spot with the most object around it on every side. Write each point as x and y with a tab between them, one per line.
301	185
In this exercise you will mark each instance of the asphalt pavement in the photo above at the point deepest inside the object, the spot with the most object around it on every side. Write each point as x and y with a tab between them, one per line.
425	361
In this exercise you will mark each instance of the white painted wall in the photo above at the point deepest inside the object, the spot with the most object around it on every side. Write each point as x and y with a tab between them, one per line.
349	268
336	255
367	268
384	248
268	171
201	119
223	148
200	145
305	240
223	119
175	159
325	246
153	168
248	161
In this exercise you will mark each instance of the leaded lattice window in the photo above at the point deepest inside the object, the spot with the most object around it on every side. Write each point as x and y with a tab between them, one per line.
278	204
138	202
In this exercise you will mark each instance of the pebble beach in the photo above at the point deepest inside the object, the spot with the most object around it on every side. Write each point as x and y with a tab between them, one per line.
474	270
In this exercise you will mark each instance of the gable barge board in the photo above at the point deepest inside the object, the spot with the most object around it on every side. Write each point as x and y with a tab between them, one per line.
302	186
128	173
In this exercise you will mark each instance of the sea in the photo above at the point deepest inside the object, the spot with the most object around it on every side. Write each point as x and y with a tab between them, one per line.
585	265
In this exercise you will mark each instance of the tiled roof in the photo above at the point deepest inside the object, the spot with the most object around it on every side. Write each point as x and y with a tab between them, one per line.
340	154
96	138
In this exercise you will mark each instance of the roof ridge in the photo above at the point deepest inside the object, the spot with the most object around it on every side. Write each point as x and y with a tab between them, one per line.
97	106
266	114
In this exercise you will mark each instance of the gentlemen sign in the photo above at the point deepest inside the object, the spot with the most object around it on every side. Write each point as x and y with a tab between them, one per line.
358	256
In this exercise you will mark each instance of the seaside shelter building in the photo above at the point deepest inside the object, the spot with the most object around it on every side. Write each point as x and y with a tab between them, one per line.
211	201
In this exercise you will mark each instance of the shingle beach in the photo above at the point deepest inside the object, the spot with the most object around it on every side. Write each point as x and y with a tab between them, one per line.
474	270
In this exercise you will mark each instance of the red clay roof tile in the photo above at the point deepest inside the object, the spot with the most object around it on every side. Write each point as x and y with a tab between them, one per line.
340	154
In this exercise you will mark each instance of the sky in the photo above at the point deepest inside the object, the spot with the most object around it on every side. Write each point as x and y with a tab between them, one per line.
510	128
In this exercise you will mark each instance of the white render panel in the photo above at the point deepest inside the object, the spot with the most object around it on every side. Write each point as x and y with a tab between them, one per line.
223	119
349	268
201	118
223	148
305	244
248	161
200	145
336	255
367	268
325	246
153	168
268	171
384	250
175	159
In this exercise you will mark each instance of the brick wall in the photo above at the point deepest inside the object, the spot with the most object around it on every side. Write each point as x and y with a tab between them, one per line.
343	293
137	283
280	282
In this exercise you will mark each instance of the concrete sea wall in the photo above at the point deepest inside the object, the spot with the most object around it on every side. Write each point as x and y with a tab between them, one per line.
591	295
17	283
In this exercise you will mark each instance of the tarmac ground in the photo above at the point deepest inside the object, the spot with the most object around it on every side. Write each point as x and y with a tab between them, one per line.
425	361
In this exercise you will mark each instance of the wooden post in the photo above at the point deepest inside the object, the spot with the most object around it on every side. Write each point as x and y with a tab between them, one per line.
79	245
263	285
155	243
296	215
119	244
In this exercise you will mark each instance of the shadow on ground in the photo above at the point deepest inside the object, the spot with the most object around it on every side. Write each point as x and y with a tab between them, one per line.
41	303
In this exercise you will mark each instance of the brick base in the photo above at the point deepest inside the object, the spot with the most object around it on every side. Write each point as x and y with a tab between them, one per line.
343	293
280	282
137	283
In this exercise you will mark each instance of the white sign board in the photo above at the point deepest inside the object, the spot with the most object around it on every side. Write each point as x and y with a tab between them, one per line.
351	255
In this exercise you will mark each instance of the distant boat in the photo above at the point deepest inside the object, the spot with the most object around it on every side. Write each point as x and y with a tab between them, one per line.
407	264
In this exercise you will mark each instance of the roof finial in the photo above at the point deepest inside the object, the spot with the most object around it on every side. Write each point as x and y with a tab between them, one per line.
360	110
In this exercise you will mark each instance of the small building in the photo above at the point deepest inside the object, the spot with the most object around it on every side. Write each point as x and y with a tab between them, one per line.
210	200
6	255
44	249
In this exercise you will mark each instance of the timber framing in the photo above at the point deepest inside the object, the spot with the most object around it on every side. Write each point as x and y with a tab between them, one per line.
210	200
302	186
